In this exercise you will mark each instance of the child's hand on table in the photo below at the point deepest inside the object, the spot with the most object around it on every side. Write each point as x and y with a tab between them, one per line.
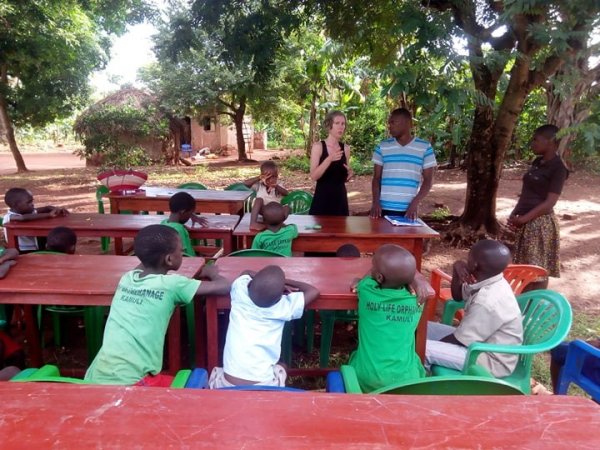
202	221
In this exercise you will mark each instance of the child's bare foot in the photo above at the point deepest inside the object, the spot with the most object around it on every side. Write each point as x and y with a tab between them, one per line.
257	226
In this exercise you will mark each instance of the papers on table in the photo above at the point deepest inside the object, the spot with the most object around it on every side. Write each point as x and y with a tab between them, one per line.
401	221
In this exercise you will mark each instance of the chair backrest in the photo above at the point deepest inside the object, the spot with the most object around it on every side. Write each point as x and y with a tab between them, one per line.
256	387
101	191
237	187
547	319
520	275
582	367
192	185
255	252
298	201
452	385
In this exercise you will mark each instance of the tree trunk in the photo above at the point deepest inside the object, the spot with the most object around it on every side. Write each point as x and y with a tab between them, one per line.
312	124
6	125
238	119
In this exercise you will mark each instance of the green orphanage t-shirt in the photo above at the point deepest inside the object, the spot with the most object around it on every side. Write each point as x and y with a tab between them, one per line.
186	242
387	322
280	241
136	327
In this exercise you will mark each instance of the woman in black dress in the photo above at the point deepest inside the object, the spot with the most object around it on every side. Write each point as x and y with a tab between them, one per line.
329	167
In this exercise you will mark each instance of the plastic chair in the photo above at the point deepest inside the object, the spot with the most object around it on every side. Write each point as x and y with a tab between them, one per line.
582	367
547	318
346	381
517	275
242	187
192	185
237	187
298	201
51	374
101	191
251	252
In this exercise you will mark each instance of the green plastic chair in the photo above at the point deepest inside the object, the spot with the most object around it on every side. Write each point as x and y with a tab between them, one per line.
255	252
446	385
51	374
298	201
192	185
93	319
101	191
547	319
237	187
242	187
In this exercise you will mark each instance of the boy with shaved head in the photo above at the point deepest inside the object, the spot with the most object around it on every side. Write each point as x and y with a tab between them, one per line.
261	303
388	317
492	314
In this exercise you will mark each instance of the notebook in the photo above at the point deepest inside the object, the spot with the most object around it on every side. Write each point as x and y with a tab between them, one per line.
401	221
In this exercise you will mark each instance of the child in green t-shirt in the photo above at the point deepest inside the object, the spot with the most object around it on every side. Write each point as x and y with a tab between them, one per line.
182	206
61	240
277	237
8	258
132	348
388	317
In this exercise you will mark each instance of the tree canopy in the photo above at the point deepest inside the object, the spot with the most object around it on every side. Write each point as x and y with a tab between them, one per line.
48	49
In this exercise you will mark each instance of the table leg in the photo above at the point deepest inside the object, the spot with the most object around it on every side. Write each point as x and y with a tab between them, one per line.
118	246
212	334
174	342
227	245
12	241
200	337
418	251
114	206
33	336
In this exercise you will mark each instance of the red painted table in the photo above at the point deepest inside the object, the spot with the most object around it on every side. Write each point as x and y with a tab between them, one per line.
78	280
332	276
119	226
44	415
366	233
157	199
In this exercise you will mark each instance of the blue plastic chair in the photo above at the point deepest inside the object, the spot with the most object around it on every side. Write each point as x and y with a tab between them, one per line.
582	367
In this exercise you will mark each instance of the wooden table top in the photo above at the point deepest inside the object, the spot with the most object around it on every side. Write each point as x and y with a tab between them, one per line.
339	226
198	194
44	415
119	222
332	276
75	275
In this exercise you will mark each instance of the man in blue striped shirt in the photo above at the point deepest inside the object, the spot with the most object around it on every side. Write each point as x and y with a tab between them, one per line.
403	169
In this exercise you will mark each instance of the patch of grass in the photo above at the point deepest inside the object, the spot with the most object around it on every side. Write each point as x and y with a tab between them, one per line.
440	213
296	163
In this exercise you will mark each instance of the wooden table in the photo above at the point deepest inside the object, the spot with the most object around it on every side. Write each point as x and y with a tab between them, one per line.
78	280
332	276
119	226
366	233
157	199
45	415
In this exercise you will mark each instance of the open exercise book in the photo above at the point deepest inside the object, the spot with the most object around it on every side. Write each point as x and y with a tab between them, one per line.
400	221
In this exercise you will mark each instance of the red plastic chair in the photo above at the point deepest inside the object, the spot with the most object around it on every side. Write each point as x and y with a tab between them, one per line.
517	275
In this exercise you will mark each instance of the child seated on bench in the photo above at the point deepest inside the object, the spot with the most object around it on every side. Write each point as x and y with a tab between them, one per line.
388	315
20	202
132	349
492	314
267	190
182	206
260	307
277	237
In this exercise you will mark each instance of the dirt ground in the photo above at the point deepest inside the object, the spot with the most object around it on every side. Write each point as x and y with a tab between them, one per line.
61	178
